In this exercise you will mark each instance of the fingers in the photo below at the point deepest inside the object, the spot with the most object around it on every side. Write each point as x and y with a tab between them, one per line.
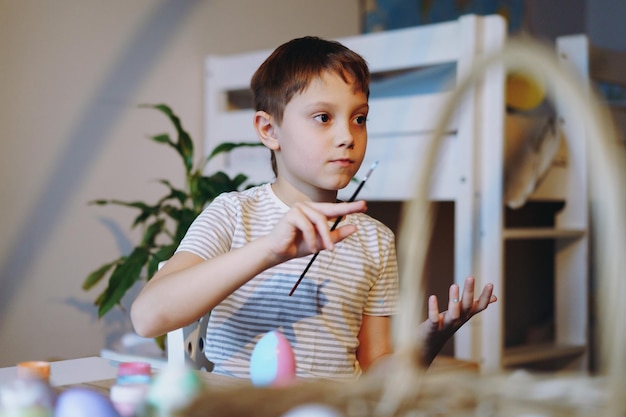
311	221
454	302
460	308
460	304
466	304
486	298
467	301
313	225
332	210
343	232
325	211
433	309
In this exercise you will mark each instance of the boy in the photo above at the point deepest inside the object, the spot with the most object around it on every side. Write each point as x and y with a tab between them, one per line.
243	254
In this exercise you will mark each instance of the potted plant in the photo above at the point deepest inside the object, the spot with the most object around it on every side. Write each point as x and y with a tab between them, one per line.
166	221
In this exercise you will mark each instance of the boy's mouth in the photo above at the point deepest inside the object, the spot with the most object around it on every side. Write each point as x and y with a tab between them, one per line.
342	162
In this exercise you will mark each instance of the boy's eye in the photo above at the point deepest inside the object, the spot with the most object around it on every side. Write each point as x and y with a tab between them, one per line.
360	120
324	118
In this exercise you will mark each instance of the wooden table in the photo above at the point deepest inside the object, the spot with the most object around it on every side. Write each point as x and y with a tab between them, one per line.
73	371
99	373
212	381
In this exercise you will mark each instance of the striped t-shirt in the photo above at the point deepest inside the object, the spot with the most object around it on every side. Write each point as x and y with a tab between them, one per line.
322	318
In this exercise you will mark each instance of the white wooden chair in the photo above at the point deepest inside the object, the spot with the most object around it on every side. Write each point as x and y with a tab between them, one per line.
185	346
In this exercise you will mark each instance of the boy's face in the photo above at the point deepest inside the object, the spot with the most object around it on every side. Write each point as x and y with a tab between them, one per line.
323	135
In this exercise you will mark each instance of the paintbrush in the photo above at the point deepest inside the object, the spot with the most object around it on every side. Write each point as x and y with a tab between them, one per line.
334	226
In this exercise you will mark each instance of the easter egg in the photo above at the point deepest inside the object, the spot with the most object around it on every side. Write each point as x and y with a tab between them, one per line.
31	397
272	362
312	410
84	402
174	388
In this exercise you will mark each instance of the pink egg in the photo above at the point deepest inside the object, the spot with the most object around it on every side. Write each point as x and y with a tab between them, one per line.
272	362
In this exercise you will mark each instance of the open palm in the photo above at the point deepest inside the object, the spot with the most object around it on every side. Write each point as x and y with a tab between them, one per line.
440	326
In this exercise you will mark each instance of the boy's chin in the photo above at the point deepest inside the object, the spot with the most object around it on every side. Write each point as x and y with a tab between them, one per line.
336	184
341	185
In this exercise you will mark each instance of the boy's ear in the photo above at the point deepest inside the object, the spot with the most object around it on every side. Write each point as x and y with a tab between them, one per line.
264	125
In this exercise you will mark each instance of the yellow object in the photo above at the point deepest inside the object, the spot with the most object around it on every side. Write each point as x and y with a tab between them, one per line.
523	92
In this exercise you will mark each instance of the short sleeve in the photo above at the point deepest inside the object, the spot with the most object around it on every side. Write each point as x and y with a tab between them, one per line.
383	296
211	233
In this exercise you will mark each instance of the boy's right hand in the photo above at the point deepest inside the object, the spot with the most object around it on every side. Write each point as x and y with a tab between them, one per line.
304	229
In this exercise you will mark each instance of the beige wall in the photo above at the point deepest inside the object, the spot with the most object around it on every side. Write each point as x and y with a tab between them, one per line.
71	75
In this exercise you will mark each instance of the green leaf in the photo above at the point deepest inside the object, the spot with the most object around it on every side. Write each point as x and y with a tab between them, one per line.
123	277
229	146
163	254
185	148
151	233
162	138
97	275
208	188
99	202
175	193
192	183
164	108
133	204
239	180
160	341
186	217
145	214
180	214
184	145
140	205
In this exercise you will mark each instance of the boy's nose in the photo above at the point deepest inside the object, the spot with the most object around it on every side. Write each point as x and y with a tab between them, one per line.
345	137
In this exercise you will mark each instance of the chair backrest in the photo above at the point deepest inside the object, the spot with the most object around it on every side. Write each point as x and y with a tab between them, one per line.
185	346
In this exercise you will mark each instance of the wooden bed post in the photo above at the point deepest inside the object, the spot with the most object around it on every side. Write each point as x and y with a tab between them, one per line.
478	205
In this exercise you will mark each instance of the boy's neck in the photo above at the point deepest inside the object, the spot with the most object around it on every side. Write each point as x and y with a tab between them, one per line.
289	194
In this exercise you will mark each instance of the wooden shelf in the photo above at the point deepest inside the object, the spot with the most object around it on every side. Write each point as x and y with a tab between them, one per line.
521	355
542	233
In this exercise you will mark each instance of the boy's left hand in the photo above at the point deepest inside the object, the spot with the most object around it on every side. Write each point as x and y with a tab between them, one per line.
439	327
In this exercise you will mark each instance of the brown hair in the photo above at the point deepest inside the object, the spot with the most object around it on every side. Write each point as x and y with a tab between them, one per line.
291	67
